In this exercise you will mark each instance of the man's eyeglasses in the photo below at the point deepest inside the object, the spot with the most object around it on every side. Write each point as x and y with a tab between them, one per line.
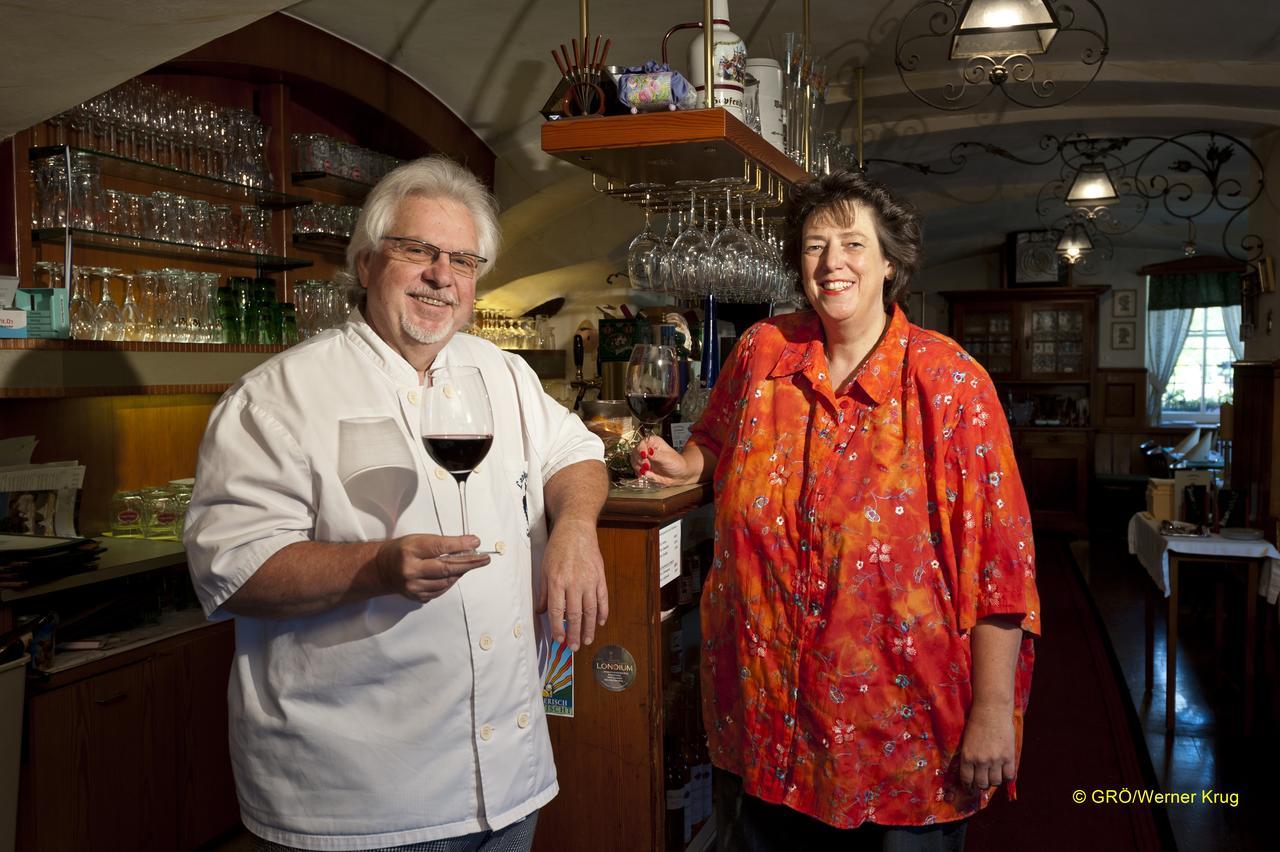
409	250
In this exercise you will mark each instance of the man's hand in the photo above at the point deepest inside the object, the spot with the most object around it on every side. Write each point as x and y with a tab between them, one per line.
573	584
987	750
410	565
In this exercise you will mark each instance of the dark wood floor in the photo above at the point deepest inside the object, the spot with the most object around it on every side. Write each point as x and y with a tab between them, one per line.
1209	750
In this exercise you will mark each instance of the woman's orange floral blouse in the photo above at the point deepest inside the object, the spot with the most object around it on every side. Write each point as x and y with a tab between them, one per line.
860	535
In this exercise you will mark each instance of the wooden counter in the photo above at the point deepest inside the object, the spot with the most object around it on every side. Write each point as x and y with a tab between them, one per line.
609	754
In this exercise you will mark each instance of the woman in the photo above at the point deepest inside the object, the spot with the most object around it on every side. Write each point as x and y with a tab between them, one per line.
867	619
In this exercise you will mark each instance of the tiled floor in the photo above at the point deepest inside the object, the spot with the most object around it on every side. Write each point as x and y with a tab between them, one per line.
1209	750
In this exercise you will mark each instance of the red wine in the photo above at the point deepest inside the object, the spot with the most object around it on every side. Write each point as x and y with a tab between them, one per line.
458	454
651	408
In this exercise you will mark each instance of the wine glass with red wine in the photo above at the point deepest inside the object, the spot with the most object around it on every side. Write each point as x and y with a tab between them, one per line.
653	389
457	430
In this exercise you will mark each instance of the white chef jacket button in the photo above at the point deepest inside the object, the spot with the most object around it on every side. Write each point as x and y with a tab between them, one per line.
518	631
439	473
448	391
413	397
522	721
486	732
486	642
500	546
476	470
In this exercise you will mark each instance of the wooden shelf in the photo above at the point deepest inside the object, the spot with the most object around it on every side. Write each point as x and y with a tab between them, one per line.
122	557
336	184
33	369
326	243
663	147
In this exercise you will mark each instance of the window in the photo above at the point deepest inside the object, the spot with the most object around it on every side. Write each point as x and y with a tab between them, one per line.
1201	379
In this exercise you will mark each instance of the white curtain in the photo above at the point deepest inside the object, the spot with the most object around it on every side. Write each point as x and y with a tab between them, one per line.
1166	332
1231	322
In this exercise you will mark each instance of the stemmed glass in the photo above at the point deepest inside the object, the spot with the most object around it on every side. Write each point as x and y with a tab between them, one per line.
457	431
653	389
108	323
641	253
689	248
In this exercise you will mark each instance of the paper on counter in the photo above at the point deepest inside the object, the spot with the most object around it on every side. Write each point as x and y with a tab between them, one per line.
40	499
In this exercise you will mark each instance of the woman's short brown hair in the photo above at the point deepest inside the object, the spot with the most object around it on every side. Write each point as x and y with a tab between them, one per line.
897	223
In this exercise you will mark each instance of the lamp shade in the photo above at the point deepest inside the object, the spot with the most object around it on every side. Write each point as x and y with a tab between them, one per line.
1074	242
1092	187
1001	28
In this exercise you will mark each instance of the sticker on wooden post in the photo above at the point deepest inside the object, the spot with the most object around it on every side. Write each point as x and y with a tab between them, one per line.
614	668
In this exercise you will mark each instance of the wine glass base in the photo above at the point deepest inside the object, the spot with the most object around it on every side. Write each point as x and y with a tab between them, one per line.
466	557
638	484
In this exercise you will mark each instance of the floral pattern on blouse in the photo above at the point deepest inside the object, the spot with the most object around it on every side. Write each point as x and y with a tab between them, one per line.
860	535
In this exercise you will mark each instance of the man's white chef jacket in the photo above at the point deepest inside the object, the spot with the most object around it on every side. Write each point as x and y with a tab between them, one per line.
384	722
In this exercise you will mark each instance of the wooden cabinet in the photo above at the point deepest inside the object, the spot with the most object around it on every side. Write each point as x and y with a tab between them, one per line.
1040	348
609	755
1054	464
131	752
1040	336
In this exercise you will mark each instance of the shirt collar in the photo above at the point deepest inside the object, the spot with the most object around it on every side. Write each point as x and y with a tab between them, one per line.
381	353
803	353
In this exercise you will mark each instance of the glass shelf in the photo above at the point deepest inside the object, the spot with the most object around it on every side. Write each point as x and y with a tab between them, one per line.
337	184
164	248
122	167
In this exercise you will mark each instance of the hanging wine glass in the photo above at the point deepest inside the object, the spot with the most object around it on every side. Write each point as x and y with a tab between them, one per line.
731	249
457	431
689	248
653	389
641	265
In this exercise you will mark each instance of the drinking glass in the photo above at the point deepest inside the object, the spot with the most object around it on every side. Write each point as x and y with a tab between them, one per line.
108	323
689	249
653	389
457	431
641	266
126	514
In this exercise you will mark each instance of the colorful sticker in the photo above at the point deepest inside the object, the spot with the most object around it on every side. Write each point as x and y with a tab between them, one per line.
557	680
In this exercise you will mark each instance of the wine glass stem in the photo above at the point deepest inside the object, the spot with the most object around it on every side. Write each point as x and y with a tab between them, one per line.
462	498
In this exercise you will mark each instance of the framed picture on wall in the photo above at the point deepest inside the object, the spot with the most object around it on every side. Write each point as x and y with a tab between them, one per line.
1031	260
1124	335
1124	303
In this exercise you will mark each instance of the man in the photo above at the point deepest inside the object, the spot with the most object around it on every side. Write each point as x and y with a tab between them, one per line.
381	697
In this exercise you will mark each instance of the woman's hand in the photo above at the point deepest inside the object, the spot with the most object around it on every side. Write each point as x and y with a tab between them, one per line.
655	459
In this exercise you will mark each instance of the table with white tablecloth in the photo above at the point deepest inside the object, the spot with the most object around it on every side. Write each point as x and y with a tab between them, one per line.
1162	556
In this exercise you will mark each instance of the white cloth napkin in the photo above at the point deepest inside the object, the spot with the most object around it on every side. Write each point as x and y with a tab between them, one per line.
1193	437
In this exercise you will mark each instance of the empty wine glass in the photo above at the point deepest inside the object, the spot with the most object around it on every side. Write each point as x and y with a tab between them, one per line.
457	431
689	249
108	323
641	254
653	389
81	308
